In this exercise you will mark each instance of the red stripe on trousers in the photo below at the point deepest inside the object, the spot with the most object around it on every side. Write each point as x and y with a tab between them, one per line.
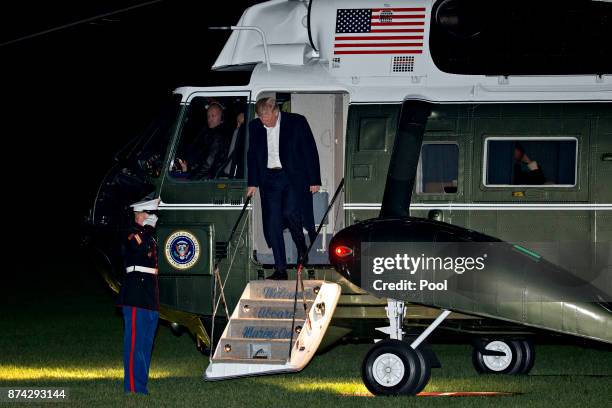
132	388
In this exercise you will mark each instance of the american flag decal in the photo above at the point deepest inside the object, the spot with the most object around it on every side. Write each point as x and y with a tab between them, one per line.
380	31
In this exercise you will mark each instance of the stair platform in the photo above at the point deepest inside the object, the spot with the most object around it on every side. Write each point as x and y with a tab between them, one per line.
256	340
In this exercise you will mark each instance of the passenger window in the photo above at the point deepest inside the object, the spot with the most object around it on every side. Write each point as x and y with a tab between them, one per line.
530	161
438	170
212	141
372	134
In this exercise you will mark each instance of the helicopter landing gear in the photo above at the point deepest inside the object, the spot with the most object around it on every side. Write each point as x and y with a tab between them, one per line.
394	367
502	356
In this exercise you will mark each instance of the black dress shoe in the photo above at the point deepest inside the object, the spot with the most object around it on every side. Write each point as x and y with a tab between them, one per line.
278	275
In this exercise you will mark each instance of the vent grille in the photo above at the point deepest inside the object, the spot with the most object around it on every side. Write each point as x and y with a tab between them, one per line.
221	249
402	63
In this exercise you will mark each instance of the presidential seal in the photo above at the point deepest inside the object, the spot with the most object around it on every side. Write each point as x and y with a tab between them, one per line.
182	250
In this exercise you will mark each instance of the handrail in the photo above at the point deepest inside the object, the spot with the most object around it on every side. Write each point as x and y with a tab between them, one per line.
251	28
300	266
217	276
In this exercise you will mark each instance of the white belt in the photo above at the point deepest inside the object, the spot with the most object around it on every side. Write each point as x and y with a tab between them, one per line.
141	269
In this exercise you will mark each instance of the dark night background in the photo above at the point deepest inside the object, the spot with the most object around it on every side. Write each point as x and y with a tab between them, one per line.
74	97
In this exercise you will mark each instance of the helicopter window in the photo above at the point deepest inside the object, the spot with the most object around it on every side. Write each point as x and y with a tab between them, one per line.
212	141
372	131
144	155
530	161
521	37
438	170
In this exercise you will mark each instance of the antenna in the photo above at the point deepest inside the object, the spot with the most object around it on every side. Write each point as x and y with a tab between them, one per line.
250	28
78	22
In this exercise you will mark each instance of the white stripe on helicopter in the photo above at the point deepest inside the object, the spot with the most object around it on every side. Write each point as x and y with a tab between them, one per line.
421	206
489	206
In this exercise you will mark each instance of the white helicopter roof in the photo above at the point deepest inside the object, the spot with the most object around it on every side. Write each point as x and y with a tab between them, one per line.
327	45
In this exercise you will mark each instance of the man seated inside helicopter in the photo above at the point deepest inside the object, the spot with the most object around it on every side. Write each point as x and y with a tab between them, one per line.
525	170
206	153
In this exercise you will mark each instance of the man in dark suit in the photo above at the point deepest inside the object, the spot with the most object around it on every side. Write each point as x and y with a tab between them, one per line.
283	163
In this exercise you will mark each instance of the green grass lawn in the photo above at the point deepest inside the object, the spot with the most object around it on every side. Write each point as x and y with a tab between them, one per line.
76	343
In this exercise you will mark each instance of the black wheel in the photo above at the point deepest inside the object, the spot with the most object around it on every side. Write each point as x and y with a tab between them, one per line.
425	371
392	367
508	360
528	356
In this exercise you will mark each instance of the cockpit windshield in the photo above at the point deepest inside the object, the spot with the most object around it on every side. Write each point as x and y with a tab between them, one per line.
145	154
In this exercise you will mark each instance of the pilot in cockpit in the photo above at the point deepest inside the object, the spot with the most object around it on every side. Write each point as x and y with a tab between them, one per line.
204	156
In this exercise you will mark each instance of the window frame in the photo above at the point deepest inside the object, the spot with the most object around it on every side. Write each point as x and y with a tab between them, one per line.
485	161
246	93
419	172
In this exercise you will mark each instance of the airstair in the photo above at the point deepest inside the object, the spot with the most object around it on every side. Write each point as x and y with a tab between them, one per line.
277	326
274	329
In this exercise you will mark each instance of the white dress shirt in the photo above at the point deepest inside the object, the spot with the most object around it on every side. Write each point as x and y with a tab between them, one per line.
273	134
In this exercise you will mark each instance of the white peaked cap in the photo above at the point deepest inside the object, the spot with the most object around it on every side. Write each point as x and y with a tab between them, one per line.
149	205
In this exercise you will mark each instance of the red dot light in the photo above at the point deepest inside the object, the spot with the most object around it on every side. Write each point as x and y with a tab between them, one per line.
343	251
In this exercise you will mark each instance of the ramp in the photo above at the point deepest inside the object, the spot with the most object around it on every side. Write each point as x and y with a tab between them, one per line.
257	338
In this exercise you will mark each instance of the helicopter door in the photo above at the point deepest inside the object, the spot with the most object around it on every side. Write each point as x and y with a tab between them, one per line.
201	196
370	136
325	113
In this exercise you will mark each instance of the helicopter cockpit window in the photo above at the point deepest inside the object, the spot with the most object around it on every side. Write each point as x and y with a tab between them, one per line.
530	161
212	140
438	169
145	154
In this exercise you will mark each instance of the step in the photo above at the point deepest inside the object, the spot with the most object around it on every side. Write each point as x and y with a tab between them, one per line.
257	338
249	361
253	328
253	349
268	289
272	308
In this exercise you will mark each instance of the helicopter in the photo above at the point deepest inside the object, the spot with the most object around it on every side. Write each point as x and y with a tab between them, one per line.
421	119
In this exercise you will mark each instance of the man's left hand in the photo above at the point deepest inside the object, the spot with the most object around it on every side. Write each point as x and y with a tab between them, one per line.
314	189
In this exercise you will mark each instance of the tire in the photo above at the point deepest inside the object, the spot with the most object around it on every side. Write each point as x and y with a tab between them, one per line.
528	356
425	371
511	363
392	367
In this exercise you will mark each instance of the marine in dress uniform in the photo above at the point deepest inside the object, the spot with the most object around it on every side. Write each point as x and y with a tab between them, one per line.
139	297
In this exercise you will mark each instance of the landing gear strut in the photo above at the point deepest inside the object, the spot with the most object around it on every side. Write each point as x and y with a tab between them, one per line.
394	367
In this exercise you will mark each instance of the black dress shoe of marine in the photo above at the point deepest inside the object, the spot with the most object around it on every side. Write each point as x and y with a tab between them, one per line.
278	275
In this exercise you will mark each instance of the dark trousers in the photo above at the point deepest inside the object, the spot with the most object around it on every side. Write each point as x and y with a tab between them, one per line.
139	332
282	208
